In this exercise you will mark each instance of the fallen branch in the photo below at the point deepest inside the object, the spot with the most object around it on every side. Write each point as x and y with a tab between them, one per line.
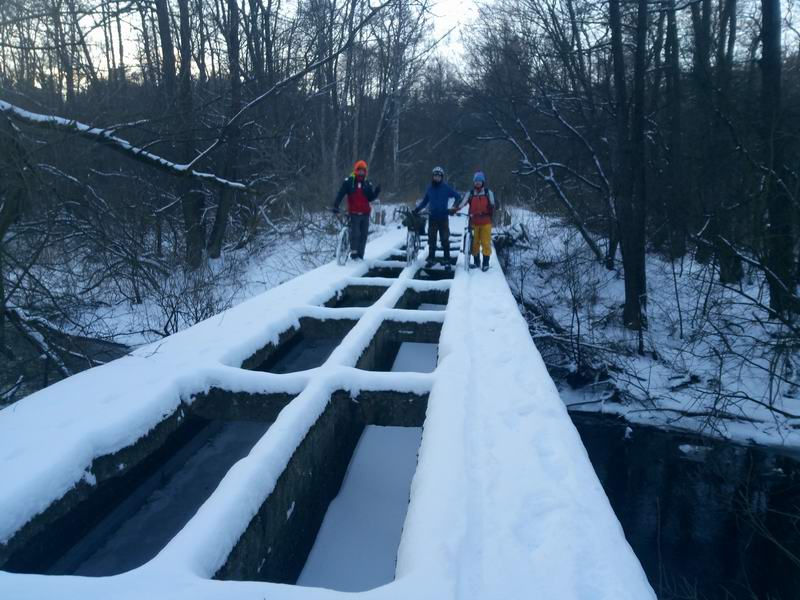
7	395
22	322
107	138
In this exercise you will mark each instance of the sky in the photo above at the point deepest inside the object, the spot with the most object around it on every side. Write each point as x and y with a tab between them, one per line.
445	15
453	13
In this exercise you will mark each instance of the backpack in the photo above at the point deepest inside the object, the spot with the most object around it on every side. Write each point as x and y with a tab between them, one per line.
488	192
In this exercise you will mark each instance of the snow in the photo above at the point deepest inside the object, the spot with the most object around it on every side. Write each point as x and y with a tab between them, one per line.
431	306
416	356
693	449
356	546
504	500
235	277
710	363
128	397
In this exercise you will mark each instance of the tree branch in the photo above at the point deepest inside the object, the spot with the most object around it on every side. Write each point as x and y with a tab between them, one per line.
118	144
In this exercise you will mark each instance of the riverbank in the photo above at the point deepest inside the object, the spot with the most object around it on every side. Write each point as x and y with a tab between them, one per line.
714	364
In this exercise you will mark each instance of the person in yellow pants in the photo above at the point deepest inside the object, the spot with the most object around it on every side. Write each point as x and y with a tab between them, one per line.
481	207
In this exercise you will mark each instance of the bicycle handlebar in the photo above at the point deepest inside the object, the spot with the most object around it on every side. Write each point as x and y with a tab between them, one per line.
407	210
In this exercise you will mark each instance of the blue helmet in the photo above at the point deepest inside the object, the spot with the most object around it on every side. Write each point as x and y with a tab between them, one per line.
479	176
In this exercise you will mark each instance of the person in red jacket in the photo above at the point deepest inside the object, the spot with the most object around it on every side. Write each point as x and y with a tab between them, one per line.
481	207
359	192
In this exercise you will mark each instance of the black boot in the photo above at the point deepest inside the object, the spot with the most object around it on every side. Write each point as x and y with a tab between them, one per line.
485	266
476	262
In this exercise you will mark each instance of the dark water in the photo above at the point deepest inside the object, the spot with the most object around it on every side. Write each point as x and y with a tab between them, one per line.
302	353
359	302
159	508
707	519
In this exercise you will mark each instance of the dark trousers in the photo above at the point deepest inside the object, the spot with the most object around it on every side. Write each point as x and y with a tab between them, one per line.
359	229
439	228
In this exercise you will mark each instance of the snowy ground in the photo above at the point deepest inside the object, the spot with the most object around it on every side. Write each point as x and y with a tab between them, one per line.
172	302
713	362
274	258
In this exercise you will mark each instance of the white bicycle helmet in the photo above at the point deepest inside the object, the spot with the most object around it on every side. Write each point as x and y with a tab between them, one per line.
438	171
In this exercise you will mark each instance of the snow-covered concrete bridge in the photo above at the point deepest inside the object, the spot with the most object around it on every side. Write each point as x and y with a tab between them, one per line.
208	465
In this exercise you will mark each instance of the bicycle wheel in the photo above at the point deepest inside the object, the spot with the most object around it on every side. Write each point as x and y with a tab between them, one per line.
412	247
465	251
342	247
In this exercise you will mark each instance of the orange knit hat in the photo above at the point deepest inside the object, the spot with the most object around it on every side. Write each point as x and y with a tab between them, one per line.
360	164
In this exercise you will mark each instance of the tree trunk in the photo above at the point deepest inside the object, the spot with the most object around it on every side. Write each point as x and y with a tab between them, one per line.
13	191
676	203
779	242
227	197
730	264
167	50
120	47
64	51
630	213
379	128
4	351
191	200
148	66
396	141
634	249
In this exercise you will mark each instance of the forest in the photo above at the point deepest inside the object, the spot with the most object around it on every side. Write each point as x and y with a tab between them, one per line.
150	148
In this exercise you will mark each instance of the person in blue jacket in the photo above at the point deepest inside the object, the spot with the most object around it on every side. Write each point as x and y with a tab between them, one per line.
438	196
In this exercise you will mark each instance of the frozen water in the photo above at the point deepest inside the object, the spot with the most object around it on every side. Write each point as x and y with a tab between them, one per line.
143	524
416	356
356	546
431	306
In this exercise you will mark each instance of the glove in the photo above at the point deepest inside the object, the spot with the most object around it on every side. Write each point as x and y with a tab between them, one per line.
377	191
415	211
452	211
335	210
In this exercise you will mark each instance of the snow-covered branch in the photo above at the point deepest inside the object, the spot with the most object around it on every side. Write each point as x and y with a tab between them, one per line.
25	325
544	169
590	149
118	144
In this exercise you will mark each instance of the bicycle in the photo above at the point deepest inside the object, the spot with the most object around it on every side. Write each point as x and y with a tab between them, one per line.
342	240
466	241
414	225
